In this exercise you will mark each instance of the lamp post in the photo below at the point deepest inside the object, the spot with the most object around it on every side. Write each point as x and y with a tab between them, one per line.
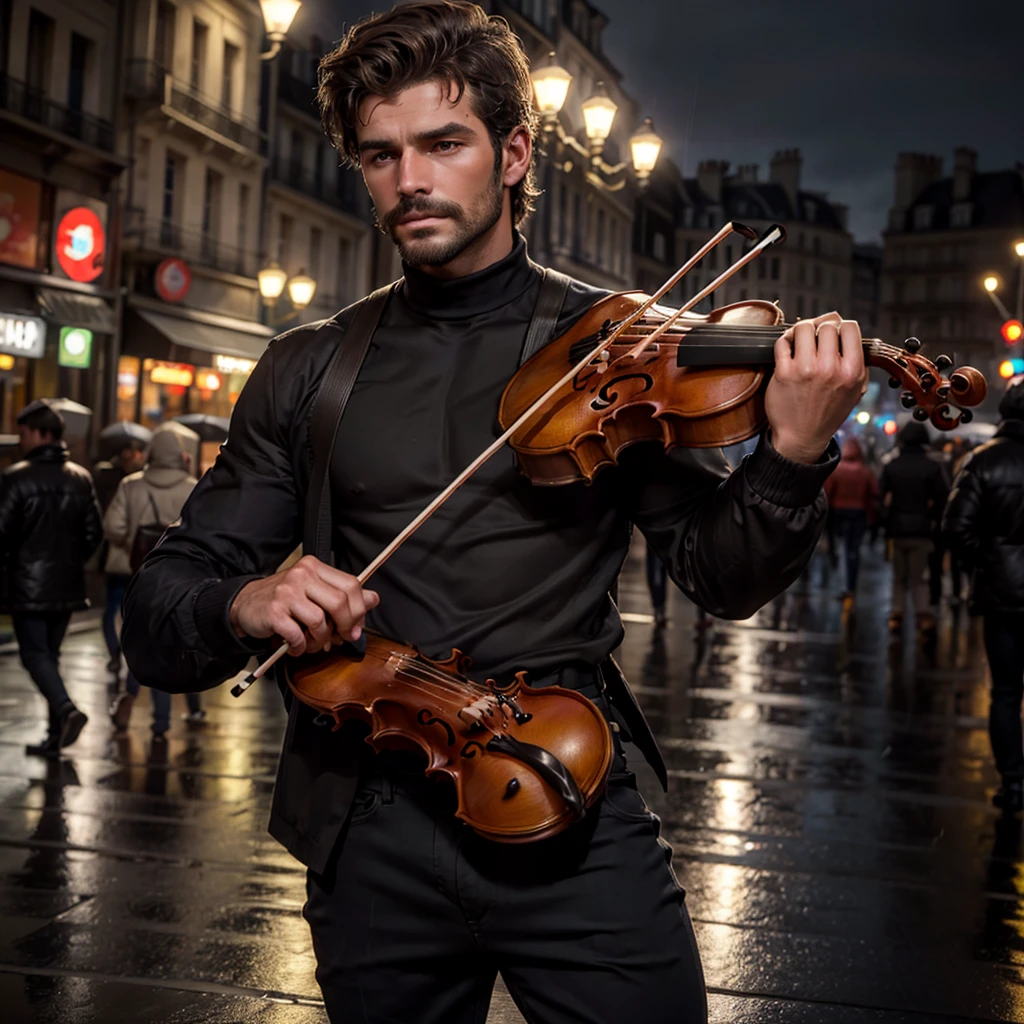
278	16
272	280
1018	248
991	285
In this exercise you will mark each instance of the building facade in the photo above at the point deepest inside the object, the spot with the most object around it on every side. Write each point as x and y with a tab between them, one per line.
59	209
808	274
945	235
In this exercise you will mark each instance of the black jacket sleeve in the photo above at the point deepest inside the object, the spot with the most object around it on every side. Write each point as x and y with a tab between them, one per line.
92	524
241	521
961	520
730	541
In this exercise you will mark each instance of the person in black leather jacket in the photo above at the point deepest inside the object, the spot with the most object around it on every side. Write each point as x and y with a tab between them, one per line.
984	525
50	525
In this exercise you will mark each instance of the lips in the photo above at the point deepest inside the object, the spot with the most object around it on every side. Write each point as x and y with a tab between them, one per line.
415	218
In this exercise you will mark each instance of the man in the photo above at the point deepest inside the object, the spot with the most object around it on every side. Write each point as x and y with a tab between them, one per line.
852	493
49	527
107	475
411	914
913	490
984	525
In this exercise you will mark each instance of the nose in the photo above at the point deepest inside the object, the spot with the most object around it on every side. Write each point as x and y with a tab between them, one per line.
414	174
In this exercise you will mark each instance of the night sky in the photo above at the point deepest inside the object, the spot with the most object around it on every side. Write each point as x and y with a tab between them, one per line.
849	83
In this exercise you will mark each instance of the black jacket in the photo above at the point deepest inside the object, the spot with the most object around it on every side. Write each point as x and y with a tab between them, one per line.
984	520
731	542
916	484
50	525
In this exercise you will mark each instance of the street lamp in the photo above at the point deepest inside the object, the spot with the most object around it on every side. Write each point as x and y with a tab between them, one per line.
301	289
278	16
598	115
991	285
646	147
271	280
551	84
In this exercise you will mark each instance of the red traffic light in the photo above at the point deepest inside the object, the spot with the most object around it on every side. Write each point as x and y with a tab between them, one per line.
1012	331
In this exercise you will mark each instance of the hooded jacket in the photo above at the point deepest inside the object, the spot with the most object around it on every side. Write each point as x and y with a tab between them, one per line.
156	494
984	518
916	486
49	528
852	487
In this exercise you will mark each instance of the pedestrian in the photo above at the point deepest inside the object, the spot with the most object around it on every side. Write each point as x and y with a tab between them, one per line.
411	913
50	526
852	493
984	525
913	492
106	476
153	496
657	586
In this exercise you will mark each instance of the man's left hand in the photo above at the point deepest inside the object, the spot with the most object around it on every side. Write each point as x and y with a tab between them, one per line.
819	377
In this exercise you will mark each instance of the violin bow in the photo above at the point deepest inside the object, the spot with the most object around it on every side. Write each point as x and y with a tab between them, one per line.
733	227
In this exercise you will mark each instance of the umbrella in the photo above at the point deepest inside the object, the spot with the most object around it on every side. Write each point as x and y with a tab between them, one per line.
76	416
123	434
209	428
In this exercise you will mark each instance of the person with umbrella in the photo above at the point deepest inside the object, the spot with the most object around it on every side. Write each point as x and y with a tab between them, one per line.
123	444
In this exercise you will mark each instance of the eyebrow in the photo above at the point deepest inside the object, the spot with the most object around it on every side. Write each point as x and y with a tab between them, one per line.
446	131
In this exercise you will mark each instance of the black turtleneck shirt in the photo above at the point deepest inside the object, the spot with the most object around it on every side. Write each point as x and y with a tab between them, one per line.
515	575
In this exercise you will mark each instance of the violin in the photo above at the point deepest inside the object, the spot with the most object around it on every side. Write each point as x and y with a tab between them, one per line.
526	763
700	384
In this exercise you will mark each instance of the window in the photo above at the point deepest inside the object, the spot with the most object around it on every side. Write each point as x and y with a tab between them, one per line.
40	51
285	232
931	289
165	17
600	238
295	162
816	245
801	274
817	275
227	83
775	268
211	204
899	292
316	241
343	272
762	269
659	246
923	218
960	216
799	307
563	213
728	255
616	257
244	195
200	33
577	226
78	63
170	209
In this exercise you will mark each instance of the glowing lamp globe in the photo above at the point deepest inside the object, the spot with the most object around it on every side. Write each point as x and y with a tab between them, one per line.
278	16
646	147
551	85
1018	248
991	283
271	280
598	115
301	289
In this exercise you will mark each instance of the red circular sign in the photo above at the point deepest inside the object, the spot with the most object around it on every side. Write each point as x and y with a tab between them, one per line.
173	279
81	244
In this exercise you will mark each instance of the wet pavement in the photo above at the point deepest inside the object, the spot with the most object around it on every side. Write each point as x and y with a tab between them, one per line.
829	811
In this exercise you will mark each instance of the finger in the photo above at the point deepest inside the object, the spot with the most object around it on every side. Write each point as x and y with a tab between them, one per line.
828	348
805	347
345	609
314	621
287	628
827	318
851	349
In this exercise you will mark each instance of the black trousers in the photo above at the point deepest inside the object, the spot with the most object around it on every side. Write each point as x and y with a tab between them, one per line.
1004	645
40	635
418	914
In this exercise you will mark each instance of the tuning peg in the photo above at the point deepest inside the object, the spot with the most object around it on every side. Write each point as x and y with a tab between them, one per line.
907	400
927	380
943	362
912	345
966	415
895	383
942	391
920	414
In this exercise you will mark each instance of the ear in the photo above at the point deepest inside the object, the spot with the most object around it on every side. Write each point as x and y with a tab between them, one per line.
518	151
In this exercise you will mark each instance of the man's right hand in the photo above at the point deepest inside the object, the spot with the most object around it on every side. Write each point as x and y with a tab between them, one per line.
310	606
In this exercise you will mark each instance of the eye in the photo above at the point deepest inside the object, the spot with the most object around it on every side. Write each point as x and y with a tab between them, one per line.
379	158
447	146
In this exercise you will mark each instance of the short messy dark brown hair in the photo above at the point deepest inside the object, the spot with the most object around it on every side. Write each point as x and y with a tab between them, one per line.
451	41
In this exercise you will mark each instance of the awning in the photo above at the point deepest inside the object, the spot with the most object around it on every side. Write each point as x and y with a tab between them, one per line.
75	310
158	336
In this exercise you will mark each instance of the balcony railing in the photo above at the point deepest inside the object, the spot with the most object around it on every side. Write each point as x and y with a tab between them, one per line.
32	104
339	189
149	82
196	247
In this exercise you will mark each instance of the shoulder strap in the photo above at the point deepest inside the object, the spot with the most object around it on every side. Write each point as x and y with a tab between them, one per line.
545	314
152	505
328	407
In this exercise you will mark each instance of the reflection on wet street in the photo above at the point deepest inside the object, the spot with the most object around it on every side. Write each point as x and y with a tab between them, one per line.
829	811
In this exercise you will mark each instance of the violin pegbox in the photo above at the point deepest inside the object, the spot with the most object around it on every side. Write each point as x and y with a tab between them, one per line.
942	400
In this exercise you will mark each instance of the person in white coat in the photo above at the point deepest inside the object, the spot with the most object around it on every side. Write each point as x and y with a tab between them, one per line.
154	495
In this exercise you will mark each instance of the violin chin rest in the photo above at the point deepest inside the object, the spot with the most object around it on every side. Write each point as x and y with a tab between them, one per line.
546	765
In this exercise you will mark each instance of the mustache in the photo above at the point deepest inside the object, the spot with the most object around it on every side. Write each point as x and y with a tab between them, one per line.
427	207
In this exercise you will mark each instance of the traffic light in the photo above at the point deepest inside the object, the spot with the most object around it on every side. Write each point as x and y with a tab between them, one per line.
1012	331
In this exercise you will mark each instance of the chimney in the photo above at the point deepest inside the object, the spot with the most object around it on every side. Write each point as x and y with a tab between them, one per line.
965	161
710	174
914	172
746	174
785	171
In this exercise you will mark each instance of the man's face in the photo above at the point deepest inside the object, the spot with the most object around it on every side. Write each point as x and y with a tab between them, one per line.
431	171
131	459
29	438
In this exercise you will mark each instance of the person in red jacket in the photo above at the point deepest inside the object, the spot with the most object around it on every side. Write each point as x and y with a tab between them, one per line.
852	493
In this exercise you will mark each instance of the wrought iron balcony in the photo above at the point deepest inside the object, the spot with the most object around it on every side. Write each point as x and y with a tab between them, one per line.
339	189
147	82
32	104
201	249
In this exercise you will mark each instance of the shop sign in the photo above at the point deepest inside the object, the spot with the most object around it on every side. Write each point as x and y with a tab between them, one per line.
234	364
22	335
80	244
176	374
20	200
172	280
75	347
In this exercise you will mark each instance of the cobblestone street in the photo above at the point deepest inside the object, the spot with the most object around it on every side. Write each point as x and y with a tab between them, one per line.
829	811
